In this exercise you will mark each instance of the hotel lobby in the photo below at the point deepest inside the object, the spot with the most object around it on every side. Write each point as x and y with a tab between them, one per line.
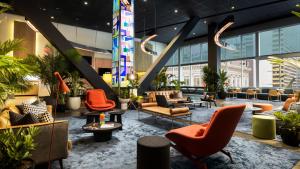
150	84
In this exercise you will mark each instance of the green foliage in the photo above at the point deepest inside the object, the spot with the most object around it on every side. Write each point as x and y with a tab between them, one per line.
161	80
4	7
211	79
53	61
74	83
222	80
177	84
16	146
13	70
124	93
291	120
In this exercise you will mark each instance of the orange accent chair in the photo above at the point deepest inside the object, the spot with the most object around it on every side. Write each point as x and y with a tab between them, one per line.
96	101
202	140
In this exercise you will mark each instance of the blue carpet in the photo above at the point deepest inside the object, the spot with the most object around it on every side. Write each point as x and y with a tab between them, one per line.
120	152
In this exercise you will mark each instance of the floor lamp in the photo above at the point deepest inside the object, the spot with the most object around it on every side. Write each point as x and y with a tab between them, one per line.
61	87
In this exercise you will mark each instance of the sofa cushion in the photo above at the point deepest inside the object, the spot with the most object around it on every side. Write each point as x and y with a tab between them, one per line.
5	119
179	110
45	117
38	108
19	119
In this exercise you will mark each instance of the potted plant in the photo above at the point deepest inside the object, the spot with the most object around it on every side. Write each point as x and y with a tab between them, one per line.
289	127
161	79
211	80
124	98
221	84
51	62
16	147
75	84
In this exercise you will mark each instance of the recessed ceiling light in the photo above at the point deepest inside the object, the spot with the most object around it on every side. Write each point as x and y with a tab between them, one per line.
194	33
145	0
204	21
108	23
176	11
52	17
175	28
85	3
57	8
232	7
44	9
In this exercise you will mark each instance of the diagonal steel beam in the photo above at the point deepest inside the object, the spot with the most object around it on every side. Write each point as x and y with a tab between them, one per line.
42	22
160	62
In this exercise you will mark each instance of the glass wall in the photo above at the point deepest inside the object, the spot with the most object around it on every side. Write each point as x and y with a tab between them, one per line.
241	64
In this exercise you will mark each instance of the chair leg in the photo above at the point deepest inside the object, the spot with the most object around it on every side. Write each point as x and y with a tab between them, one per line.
228	154
61	163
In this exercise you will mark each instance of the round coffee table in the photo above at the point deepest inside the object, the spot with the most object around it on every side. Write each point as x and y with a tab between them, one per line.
103	133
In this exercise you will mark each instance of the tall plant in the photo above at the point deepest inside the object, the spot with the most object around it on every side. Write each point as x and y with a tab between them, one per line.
211	79
13	70
161	79
75	83
222	80
51	62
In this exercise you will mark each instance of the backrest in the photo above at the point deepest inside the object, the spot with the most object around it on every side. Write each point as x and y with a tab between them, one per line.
222	126
288	103
161	101
96	96
273	92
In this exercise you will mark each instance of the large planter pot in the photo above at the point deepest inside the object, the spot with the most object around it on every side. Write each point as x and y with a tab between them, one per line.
290	137
124	103
74	103
222	95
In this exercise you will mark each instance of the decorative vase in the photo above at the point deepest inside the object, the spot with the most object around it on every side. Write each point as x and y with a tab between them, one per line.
74	103
289	137
124	103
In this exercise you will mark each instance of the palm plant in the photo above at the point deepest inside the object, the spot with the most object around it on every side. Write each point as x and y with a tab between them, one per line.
13	71
222	80
211	79
161	80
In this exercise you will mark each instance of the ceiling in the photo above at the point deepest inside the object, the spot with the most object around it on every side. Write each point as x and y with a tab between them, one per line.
97	14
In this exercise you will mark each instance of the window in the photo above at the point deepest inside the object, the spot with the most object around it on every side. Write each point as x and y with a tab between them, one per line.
248	45
185	54
269	42
174	72
186	80
196	53
290	39
173	60
197	80
185	74
204	52
241	73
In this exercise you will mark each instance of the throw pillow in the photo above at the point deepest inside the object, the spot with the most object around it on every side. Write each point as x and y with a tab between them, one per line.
36	109
19	119
45	117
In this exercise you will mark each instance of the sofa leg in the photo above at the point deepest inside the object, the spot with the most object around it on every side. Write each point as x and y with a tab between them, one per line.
228	154
61	164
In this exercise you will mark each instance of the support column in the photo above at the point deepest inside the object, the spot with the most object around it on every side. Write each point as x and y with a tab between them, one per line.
214	51
160	62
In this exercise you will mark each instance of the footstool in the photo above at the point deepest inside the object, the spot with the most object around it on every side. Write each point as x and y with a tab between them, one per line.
153	152
263	127
264	107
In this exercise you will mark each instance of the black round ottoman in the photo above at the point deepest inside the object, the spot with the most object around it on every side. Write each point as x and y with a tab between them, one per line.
153	152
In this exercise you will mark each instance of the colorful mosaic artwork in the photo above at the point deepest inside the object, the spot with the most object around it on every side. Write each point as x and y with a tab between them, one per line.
123	41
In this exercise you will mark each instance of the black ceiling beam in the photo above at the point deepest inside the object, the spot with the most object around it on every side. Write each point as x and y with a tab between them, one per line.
42	22
161	61
217	14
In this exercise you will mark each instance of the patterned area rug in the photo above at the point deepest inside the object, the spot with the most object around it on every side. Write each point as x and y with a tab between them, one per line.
120	152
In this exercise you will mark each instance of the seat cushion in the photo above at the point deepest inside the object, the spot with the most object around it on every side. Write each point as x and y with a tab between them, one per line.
102	105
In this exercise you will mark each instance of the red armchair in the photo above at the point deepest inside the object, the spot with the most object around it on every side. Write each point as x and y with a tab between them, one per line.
202	140
96	101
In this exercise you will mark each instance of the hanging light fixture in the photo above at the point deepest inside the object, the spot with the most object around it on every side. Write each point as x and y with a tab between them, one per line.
227	22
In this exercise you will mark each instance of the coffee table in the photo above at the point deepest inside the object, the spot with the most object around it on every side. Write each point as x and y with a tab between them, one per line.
101	134
193	103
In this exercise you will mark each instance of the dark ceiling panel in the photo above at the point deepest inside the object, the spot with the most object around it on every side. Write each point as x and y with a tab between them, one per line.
98	13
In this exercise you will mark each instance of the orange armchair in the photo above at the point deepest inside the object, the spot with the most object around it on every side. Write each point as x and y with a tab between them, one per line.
202	140
96	101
